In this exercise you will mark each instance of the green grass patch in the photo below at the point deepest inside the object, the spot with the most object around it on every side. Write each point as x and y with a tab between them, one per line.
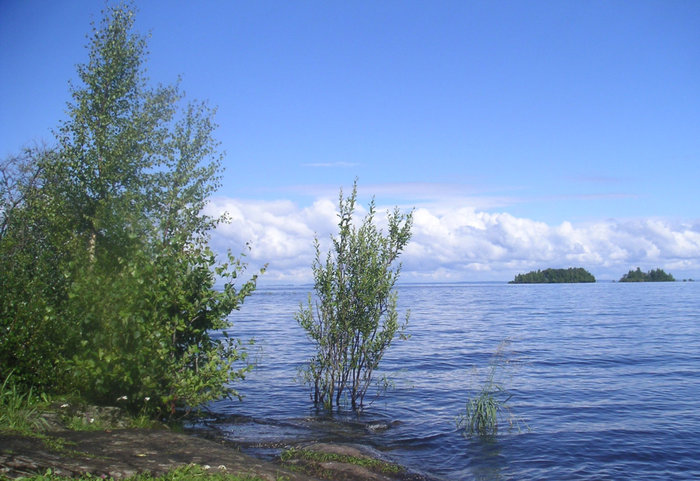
311	460
20	411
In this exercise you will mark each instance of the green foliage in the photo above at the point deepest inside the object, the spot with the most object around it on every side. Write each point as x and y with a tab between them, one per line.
108	284
655	275
147	332
354	319
488	407
552	276
32	282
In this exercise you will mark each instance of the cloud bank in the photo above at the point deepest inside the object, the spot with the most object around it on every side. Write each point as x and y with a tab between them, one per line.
461	243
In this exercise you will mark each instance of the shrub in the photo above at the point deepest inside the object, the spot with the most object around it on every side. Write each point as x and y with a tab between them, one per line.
354	319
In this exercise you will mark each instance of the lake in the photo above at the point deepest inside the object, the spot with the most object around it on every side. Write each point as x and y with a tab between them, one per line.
605	380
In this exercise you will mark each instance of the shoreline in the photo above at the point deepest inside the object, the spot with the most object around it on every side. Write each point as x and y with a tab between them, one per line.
119	452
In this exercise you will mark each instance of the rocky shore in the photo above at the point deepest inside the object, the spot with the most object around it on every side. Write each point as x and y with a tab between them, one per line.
118	452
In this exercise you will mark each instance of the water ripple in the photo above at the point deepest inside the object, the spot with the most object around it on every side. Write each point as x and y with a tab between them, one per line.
606	375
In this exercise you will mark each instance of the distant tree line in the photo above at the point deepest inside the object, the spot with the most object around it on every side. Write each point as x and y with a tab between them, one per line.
579	274
656	275
552	276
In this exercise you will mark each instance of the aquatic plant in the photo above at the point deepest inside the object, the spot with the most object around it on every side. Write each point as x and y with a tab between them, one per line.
488	407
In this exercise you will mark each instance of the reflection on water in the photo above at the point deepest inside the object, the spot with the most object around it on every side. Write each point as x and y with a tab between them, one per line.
608	381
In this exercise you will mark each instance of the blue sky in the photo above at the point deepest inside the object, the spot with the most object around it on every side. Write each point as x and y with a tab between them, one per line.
526	134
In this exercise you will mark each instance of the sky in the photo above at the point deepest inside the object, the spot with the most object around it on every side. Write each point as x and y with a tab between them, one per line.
524	134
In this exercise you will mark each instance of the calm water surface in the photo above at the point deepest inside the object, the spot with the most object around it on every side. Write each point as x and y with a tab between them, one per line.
607	378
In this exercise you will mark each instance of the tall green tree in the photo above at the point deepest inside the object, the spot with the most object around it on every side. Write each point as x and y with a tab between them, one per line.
354	319
119	242
114	141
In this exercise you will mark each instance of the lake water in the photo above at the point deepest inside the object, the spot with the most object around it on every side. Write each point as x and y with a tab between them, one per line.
606	376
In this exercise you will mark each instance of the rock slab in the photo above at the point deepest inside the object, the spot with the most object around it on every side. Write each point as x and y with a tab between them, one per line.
121	453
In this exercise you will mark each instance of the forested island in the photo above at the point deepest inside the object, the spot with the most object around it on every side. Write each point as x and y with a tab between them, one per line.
554	276
655	275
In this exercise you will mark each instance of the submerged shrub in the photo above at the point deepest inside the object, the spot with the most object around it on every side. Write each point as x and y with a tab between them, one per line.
353	319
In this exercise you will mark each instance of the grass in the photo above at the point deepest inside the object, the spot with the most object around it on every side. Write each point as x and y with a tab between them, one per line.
25	412
488	408
20	411
186	473
91	419
483	411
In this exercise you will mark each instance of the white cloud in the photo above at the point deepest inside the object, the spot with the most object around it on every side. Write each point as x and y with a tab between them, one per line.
461	243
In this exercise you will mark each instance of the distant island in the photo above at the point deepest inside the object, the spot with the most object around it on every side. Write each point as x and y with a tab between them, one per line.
554	276
656	275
